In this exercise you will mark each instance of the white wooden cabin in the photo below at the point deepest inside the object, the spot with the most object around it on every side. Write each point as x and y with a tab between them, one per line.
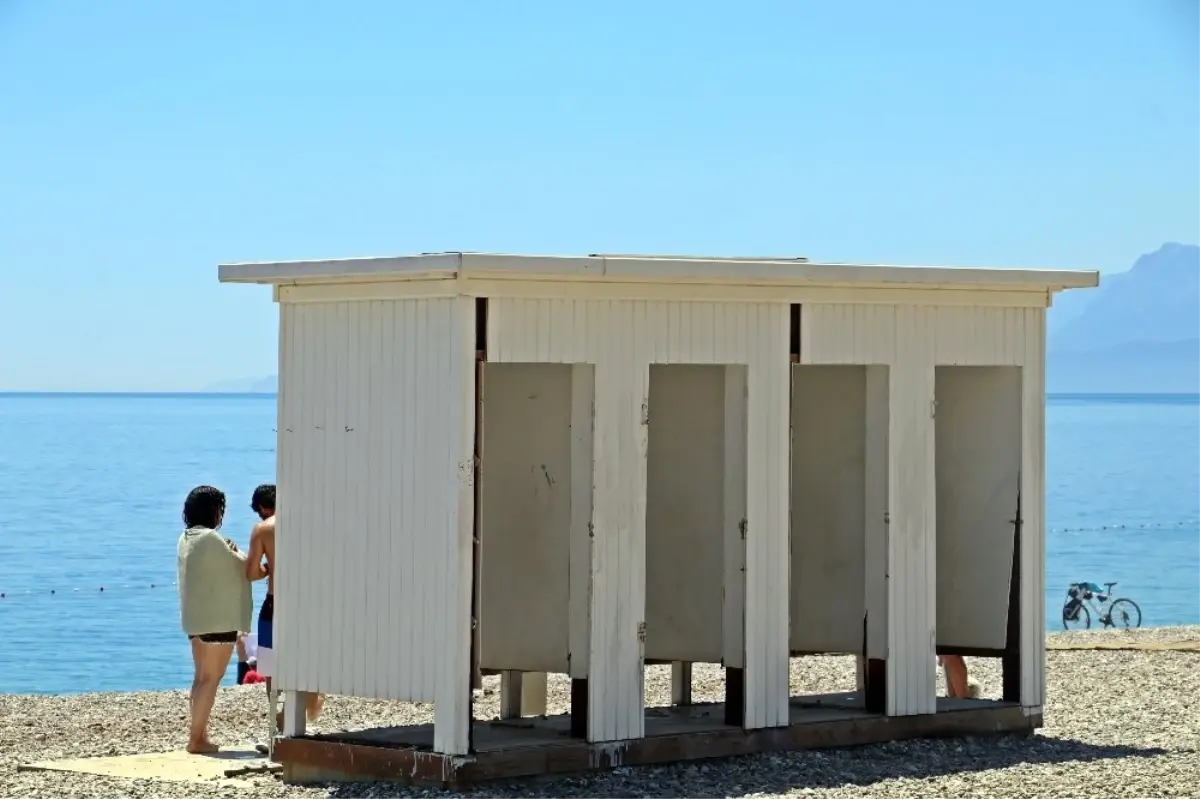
600	461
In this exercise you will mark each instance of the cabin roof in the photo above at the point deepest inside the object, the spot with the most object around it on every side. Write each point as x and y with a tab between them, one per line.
601	267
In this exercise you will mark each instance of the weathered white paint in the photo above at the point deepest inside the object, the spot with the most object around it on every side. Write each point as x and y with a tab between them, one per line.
979	442
622	339
372	430
678	270
386	346
828	508
459	283
1033	512
912	546
912	340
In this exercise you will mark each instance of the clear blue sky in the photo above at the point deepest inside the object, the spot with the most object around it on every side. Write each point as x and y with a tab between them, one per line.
144	141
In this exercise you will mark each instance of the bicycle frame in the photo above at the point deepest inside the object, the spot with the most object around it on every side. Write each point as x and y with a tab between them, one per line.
1094	602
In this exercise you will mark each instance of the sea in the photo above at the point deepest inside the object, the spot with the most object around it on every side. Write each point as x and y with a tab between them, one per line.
92	486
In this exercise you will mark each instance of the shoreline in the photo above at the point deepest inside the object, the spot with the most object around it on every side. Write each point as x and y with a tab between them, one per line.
1117	722
1148	635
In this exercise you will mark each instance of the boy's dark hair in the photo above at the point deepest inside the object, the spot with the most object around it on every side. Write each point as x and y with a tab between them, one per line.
264	497
204	507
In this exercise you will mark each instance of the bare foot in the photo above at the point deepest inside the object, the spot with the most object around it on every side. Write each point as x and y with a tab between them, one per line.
205	747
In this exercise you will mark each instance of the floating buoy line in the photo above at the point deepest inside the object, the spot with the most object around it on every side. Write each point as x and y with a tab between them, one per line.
1131	526
102	589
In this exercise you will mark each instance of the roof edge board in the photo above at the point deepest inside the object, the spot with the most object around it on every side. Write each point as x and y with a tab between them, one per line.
661	270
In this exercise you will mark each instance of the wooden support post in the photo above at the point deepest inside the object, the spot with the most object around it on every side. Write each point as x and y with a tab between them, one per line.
272	715
911	672
457	652
872	663
681	682
875	682
294	718
735	697
733	630
579	601
533	693
579	610
1011	660
510	694
579	708
522	694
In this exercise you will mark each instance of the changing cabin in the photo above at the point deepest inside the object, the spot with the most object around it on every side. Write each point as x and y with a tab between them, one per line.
579	466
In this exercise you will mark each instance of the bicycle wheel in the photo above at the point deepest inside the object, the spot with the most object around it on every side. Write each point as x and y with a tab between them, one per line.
1125	614
1076	616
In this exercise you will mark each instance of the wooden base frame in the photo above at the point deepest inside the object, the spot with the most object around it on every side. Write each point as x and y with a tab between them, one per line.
530	747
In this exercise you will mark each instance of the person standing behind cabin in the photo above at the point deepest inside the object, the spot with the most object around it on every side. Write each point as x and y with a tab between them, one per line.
958	684
214	604
260	564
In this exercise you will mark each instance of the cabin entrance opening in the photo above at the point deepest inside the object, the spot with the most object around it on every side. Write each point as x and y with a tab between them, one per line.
695	517
838	529
978	432
534	488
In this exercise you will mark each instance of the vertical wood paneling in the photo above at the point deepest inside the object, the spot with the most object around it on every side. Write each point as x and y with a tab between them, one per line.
455	539
767	539
848	334
1033	511
913	340
622	338
288	469
371	436
862	334
911	534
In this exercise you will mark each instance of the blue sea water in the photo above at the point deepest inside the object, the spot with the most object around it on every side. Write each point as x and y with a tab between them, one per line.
91	488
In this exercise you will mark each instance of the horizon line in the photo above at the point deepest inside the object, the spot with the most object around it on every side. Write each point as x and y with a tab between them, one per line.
265	394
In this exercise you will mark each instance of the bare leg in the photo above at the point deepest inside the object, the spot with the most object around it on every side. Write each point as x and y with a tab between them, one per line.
315	703
278	714
956	676
211	660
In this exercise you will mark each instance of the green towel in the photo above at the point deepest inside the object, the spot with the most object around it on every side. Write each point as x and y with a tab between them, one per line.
214	594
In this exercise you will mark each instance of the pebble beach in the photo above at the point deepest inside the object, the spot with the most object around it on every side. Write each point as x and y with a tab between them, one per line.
1117	723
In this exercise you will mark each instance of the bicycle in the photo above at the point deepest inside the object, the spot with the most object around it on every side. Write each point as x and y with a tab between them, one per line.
1079	607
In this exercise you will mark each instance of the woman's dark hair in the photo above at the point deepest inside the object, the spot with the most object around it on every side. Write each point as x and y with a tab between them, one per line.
204	507
263	498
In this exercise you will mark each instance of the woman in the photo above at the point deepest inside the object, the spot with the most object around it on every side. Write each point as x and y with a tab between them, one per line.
214	604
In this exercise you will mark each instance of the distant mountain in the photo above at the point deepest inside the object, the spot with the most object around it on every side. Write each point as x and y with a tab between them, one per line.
1139	332
1157	300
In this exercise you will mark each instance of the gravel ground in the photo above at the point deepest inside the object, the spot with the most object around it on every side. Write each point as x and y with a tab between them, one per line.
1119	723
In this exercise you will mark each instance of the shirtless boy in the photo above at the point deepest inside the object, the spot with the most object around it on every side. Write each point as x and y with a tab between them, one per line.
260	563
